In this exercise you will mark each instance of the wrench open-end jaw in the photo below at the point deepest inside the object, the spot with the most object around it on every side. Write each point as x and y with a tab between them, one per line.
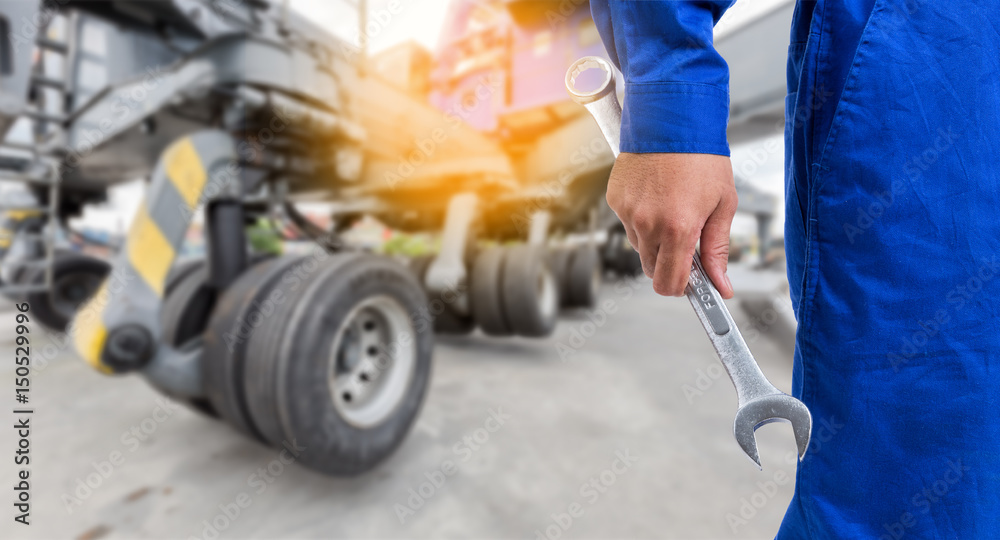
759	401
777	407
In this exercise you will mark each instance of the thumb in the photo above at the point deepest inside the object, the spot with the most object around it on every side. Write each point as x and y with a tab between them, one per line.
715	246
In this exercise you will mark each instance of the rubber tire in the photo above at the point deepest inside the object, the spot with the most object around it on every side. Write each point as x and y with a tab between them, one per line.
559	260
264	349
290	399
185	313
580	286
178	272
187	307
188	301
487	303
224	356
447	321
66	262
523	266
628	264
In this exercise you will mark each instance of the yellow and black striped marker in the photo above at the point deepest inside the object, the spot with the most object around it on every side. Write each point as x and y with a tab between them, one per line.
133	292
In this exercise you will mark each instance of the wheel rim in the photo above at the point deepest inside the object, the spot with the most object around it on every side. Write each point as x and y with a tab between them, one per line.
72	290
372	361
548	297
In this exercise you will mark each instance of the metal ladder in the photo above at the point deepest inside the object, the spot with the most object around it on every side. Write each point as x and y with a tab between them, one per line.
47	128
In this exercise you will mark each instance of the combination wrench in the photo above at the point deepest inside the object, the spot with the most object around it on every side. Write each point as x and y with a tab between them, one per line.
759	401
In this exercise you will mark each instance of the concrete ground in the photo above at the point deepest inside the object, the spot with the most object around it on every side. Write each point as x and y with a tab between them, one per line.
635	402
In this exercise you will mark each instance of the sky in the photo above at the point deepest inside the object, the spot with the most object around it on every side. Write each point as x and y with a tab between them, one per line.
389	21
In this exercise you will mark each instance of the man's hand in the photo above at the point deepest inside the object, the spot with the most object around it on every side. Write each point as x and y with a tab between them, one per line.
667	203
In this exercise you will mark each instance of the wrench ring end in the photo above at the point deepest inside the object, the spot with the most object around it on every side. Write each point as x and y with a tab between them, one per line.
585	64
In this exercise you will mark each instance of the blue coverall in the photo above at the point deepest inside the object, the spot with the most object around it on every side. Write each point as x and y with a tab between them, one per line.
892	237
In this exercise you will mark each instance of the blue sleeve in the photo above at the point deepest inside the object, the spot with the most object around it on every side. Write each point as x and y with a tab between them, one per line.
676	84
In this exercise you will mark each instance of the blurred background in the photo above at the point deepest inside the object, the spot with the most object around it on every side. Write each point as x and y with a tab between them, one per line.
566	399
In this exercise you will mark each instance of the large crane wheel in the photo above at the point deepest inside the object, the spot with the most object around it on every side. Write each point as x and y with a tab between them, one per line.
321	356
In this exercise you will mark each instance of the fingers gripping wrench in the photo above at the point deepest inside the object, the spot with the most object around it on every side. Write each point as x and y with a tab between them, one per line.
759	401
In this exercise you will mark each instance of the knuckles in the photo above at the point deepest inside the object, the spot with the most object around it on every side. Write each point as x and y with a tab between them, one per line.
644	221
660	289
668	289
678	229
653	221
730	202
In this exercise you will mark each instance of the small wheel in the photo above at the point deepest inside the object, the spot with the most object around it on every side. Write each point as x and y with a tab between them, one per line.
188	301
487	302
584	279
628	264
239	313
529	292
187	305
340	369
75	278
185	314
611	247
446	320
559	260
178	272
